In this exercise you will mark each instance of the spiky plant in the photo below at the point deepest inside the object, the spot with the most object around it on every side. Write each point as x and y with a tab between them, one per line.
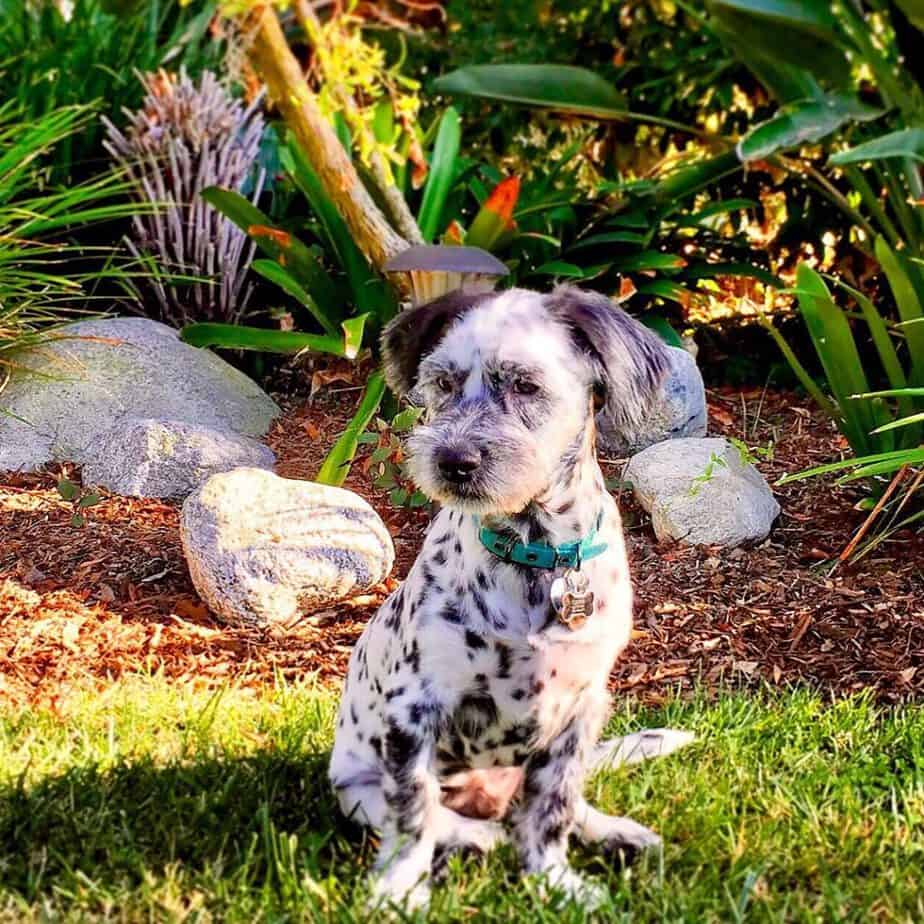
188	136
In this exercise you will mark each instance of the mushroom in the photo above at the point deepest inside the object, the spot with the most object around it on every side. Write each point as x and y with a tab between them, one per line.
435	270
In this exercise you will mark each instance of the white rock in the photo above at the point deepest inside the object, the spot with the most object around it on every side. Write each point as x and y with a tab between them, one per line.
64	395
264	550
678	411
703	492
143	457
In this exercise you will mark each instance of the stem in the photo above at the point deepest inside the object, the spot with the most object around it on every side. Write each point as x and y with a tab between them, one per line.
861	185
272	58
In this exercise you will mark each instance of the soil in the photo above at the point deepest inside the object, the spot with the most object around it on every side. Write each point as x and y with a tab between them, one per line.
83	604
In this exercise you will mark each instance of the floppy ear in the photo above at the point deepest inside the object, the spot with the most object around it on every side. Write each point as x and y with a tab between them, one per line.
629	360
415	332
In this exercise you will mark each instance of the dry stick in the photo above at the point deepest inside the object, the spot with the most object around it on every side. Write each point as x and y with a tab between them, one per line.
868	522
399	213
273	60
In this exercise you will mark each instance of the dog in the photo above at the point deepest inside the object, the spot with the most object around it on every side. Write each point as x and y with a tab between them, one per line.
475	696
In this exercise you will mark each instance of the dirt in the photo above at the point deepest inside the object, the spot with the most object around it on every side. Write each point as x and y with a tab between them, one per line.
83	604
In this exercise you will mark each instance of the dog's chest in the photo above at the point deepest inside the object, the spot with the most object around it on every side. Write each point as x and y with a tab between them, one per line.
511	698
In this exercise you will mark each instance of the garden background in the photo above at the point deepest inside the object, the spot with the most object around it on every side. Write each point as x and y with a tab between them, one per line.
744	176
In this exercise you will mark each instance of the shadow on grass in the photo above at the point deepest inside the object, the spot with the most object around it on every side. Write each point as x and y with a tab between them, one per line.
255	821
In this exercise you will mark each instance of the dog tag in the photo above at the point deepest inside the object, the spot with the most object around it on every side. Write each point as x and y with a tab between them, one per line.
572	599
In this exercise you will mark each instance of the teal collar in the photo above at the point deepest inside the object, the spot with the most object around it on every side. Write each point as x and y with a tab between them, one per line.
541	554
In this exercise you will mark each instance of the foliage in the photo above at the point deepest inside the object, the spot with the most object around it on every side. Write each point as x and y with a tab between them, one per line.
84	52
386	465
823	63
185	137
44	279
164	800
884	427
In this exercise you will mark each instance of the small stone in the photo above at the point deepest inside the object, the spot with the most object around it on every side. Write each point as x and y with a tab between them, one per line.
703	492
679	410
143	457
264	550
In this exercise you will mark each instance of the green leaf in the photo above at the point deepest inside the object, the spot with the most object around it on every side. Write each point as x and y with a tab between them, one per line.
899	273
801	34
648	260
89	500
608	237
907	142
901	422
552	86
714	270
242	337
443	164
336	466
665	288
569	270
271	270
660	325
67	489
833	341
399	496
78	520
803	122
299	261
914	10
353	331
404	420
722	207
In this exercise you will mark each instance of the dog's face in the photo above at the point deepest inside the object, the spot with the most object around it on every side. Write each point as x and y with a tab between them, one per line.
508	383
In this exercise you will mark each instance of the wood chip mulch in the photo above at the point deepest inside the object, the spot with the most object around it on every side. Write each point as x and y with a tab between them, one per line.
85	604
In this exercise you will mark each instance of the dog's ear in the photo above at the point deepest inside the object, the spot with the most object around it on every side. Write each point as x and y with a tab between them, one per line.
629	360
414	333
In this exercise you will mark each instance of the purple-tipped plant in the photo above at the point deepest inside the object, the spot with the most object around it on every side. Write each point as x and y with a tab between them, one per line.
187	137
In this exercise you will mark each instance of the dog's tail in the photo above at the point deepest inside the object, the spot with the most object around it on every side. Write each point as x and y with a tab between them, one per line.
639	746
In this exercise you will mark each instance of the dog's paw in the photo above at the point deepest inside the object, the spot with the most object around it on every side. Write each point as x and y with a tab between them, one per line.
573	887
626	839
386	893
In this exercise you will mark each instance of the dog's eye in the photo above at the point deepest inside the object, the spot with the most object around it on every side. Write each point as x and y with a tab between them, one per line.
444	384
524	387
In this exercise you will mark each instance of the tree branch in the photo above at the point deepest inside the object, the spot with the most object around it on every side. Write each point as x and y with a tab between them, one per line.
399	213
273	60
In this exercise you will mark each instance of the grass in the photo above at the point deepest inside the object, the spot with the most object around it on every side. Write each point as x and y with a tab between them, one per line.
154	802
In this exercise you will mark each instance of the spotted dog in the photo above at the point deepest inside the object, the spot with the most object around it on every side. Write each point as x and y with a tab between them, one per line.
476	695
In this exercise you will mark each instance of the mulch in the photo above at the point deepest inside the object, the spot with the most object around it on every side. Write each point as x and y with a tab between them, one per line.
86	604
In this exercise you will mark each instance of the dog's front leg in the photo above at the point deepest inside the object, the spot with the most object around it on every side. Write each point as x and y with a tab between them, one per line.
543	819
412	794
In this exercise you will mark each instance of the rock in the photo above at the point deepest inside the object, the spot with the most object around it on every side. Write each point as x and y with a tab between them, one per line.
263	550
679	411
65	394
142	457
703	492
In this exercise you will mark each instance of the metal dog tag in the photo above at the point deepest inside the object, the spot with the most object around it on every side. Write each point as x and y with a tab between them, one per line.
572	599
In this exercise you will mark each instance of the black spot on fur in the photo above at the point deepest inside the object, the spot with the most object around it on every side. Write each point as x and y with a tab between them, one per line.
503	660
475	713
451	614
474	640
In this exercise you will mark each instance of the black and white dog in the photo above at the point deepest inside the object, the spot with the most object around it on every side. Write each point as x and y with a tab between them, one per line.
476	695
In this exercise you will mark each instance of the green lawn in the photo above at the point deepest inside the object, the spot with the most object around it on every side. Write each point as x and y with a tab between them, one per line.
155	803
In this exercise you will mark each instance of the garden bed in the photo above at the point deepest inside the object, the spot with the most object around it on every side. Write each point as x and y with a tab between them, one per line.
81	605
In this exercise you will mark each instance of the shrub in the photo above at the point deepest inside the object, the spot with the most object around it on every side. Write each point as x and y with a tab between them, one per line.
186	137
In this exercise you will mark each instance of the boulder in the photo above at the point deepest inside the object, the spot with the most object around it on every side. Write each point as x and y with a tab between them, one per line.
702	491
263	550
143	457
679	410
65	394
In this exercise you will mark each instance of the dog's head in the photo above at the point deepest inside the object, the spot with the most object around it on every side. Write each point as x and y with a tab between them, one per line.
510	382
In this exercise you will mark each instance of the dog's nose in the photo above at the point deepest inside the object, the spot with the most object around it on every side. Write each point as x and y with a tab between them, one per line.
458	465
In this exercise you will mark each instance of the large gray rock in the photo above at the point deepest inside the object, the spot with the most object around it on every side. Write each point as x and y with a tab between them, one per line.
64	395
263	550
703	492
143	457
678	411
